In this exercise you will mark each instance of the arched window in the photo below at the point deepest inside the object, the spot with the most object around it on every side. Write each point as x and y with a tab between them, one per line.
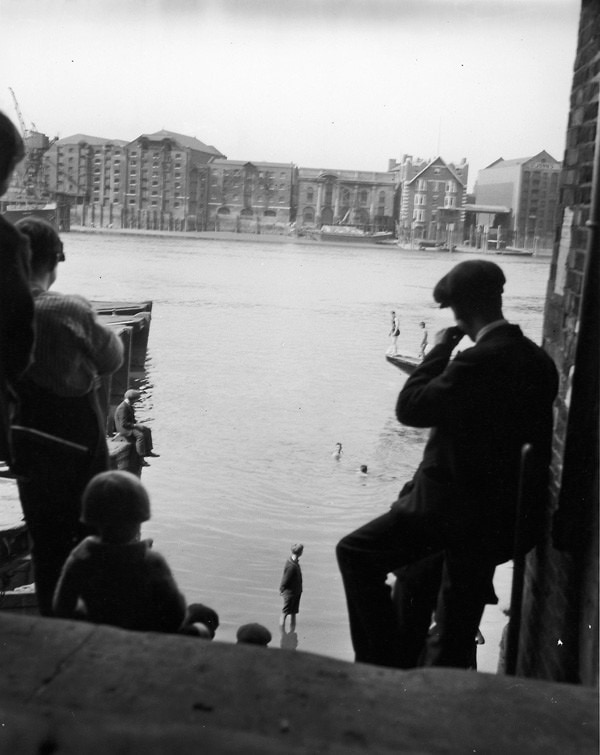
327	216
223	211
363	197
246	211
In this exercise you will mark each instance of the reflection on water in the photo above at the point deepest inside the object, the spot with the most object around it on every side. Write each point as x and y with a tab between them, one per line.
262	357
289	639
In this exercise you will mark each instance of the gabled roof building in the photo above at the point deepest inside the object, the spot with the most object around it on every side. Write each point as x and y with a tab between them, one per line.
431	198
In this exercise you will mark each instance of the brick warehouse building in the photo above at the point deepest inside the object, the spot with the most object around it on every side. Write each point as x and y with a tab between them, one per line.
88	172
559	632
166	182
528	187
250	196
157	181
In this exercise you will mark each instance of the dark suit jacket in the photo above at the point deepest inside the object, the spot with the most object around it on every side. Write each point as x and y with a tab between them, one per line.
16	322
124	419
291	580
482	407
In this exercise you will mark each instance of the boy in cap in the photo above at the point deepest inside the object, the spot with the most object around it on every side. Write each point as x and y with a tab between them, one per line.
290	587
115	577
482	407
126	425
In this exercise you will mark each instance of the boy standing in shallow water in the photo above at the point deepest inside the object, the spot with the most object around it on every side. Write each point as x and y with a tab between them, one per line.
115	578
291	586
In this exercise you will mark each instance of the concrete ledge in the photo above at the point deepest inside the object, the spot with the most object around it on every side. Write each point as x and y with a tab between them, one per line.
78	688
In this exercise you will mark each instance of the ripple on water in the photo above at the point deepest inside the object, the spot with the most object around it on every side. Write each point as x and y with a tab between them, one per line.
261	359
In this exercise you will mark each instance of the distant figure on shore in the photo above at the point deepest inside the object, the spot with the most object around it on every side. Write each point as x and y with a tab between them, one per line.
337	454
200	621
290	587
394	333
424	340
16	301
363	471
117	577
126	426
253	634
64	445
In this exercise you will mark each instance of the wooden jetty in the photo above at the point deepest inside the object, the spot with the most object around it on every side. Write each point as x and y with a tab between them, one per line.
405	362
131	321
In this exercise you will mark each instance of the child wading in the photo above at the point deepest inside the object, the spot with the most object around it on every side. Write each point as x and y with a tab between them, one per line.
291	586
116	578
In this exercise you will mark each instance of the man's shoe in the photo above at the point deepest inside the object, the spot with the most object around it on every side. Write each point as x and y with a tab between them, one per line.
153	454
144	464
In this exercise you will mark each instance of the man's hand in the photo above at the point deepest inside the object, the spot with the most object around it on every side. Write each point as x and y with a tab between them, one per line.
449	336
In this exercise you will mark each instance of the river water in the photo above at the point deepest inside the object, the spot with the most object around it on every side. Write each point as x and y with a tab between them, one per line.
263	356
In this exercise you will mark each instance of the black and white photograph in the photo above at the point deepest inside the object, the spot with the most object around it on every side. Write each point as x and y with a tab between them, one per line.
299	278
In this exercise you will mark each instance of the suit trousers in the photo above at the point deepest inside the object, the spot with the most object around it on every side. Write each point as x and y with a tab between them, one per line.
143	439
55	478
379	635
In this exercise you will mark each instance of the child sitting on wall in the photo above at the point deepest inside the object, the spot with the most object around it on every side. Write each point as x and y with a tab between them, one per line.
115	577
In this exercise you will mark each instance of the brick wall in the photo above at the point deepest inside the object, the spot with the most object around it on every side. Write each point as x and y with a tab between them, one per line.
559	635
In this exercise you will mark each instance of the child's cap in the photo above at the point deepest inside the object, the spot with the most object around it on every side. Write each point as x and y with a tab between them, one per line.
114	497
254	634
197	613
297	549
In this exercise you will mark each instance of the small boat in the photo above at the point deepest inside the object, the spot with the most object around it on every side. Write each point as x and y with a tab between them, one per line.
133	316
423	244
16	572
353	233
439	246
47	211
515	251
406	362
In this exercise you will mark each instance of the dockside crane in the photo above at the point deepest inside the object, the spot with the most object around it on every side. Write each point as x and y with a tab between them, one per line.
29	181
24	129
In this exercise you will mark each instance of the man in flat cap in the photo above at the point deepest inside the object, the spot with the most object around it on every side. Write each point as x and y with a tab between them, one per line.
126	426
482	407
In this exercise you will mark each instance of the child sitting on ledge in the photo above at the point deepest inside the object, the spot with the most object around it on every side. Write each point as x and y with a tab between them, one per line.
114	577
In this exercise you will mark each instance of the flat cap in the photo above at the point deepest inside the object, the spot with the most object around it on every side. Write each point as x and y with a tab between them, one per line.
113	498
470	282
254	634
198	613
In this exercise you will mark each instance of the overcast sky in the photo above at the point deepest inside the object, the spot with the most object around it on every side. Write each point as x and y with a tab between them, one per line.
320	83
